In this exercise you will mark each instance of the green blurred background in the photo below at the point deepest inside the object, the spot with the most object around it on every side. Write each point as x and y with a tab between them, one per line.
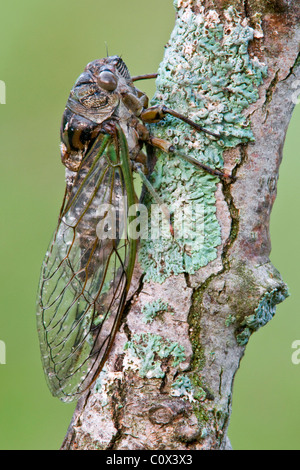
44	47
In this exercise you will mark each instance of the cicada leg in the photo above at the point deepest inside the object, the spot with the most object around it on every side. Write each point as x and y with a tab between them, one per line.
167	214
158	112
144	77
167	147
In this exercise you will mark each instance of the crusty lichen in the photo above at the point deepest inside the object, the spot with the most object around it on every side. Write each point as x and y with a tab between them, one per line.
150	349
264	312
188	389
105	383
230	320
152	309
208	75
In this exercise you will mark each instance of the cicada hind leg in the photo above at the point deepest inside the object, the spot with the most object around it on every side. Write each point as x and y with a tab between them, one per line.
158	113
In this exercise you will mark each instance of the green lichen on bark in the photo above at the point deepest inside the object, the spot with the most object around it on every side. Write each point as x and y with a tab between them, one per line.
152	309
150	350
185	388
264	312
208	75
182	387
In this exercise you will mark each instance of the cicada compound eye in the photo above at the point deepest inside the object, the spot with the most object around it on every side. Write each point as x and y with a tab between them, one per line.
107	80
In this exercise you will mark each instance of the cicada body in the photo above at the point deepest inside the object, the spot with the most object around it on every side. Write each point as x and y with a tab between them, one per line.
86	273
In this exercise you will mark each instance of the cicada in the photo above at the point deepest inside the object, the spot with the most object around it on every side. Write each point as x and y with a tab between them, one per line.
85	277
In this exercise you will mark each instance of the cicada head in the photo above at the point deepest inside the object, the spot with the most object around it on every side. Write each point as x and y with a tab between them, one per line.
114	65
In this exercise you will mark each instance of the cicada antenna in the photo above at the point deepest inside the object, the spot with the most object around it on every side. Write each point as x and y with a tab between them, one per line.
106	47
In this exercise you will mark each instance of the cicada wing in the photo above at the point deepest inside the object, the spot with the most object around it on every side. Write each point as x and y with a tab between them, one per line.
87	270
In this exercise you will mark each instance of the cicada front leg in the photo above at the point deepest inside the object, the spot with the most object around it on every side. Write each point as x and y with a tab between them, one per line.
159	112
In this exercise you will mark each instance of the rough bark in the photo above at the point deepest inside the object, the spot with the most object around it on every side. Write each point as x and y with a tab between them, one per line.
168	380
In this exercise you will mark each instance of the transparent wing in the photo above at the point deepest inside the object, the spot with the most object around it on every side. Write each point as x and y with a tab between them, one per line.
87	270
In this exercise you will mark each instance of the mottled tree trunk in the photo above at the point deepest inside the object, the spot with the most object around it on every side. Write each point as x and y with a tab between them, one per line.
231	65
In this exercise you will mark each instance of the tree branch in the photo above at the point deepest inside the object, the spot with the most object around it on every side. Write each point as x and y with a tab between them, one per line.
193	305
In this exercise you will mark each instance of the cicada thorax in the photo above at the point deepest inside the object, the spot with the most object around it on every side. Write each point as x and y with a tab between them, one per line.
85	112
